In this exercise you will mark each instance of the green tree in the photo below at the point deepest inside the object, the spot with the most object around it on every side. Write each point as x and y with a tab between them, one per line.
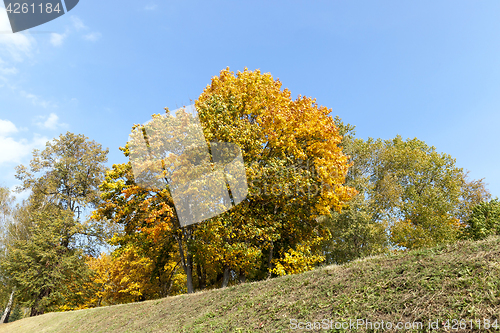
68	173
357	231
406	188
44	241
424	193
484	221
41	262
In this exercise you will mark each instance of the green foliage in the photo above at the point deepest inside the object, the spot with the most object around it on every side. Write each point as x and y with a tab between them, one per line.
484	221
354	234
43	241
407	191
40	263
423	193
6	210
67	173
16	313
357	231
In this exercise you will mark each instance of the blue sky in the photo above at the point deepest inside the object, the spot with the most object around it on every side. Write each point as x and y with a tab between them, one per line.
425	69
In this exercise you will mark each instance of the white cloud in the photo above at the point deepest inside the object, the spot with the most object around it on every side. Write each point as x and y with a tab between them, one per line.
7	127
57	39
93	36
8	70
5	69
151	7
78	23
16	46
50	122
35	100
13	151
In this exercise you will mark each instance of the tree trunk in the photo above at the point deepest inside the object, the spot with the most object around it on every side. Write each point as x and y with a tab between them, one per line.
171	280
242	276
189	274
186	262
270	261
202	277
225	278
35	310
6	313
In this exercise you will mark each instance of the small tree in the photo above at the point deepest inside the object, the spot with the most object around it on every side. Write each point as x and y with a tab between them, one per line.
484	221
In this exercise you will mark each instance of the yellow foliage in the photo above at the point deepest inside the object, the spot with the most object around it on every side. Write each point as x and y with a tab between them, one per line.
263	119
287	145
121	279
297	261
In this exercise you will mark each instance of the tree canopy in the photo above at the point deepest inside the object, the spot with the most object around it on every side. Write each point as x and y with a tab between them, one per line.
295	171
44	243
410	196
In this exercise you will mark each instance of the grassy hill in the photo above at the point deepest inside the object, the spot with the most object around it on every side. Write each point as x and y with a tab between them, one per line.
459	281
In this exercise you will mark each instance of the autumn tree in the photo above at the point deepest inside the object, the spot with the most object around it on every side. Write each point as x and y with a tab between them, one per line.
130	206
123	276
294	168
294	165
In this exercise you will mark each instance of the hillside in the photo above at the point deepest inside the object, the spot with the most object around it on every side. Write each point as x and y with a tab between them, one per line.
459	281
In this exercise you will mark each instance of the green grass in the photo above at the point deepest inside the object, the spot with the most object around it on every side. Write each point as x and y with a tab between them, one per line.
459	281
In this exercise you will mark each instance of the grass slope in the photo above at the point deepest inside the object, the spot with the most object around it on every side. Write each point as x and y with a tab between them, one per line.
459	281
